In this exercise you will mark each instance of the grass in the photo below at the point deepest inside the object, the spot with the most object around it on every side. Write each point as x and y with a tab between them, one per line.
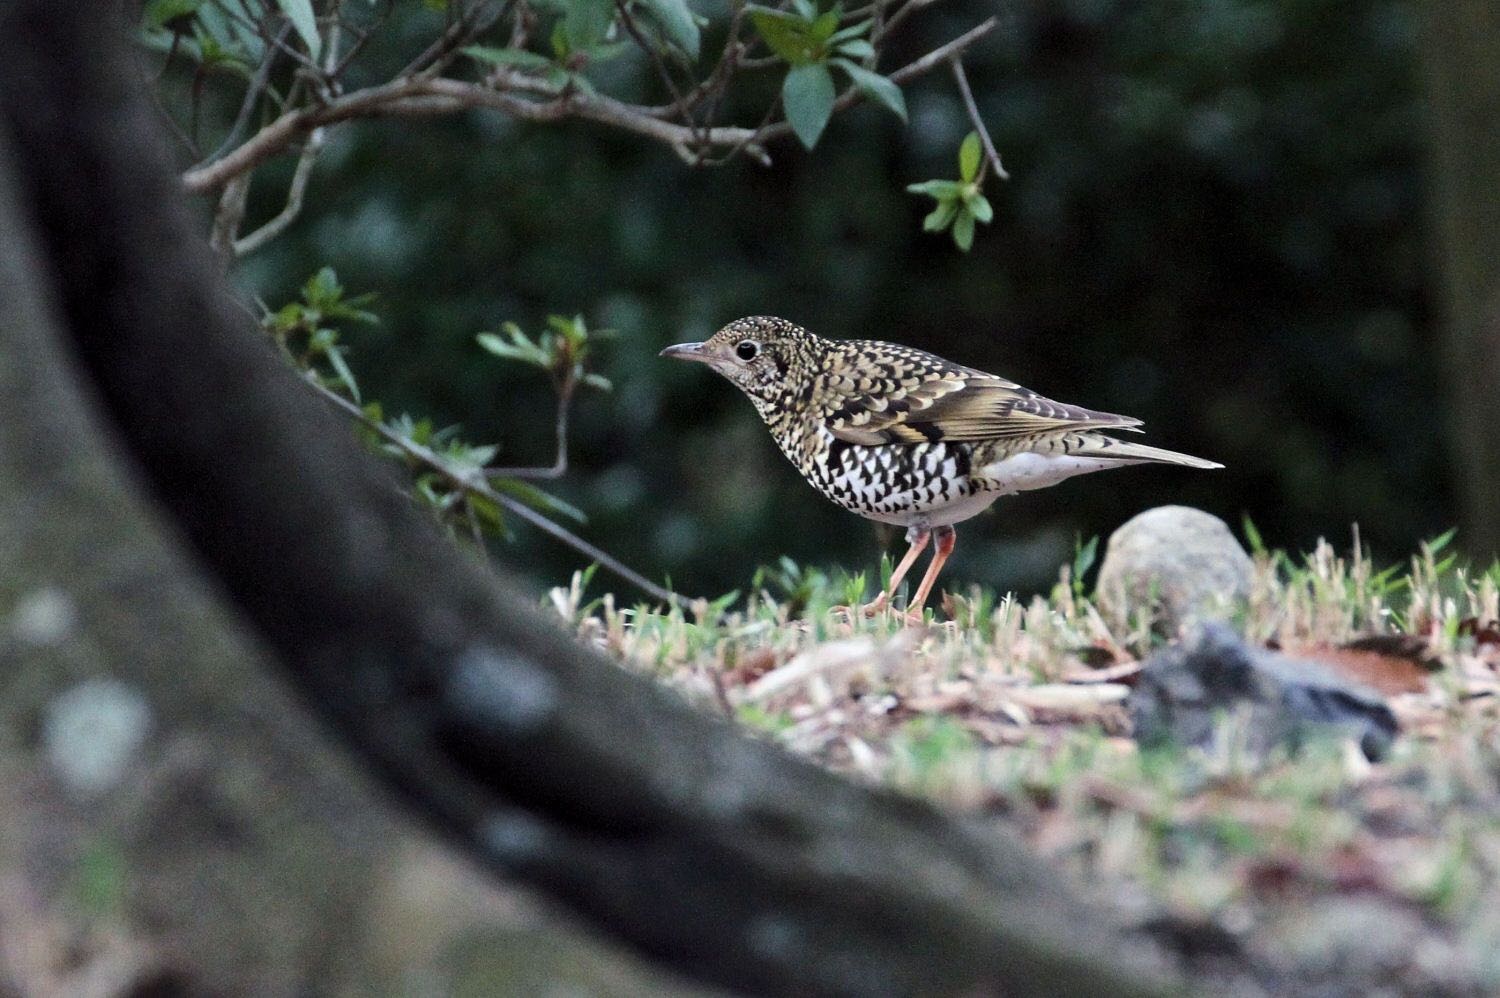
1280	874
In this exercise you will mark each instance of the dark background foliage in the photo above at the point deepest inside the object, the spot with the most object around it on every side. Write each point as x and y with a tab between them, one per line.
1214	223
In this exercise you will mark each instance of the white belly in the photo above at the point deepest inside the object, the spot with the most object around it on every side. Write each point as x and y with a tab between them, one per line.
940	514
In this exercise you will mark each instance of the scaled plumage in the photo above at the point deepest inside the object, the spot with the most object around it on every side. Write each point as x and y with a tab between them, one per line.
905	437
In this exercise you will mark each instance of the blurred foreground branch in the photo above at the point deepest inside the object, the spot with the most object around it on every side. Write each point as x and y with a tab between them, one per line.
719	855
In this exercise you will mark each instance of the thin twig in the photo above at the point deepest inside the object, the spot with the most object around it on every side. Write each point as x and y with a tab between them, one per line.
559	465
471	483
253	93
228	216
176	129
468	26
992	157
680	107
894	21
294	197
475	529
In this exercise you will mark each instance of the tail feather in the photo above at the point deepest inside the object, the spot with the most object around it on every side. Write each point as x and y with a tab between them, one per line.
1098	445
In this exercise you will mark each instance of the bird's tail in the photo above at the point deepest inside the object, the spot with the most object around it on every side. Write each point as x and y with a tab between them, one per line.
1100	446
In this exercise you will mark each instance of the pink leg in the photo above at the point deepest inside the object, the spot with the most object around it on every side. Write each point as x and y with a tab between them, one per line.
917	537
945	541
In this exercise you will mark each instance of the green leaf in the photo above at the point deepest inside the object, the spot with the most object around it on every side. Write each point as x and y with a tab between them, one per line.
322	288
519	349
876	86
940	189
856	48
807	95
1083	557
823	27
341	368
587	21
963	230
806	8
489	513
979	207
940	216
968	157
230	35
677	23
534	497
175	16
1258	546
853	31
785	34
1441	541
300	13
508	57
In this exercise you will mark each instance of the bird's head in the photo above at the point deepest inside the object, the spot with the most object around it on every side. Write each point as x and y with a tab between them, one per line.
767	358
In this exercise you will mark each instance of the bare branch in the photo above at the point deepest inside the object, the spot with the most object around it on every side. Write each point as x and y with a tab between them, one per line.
680	107
890	24
253	91
469	25
942	53
991	156
230	213
294	195
559	465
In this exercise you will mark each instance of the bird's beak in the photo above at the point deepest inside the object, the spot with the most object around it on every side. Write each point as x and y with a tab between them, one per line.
688	351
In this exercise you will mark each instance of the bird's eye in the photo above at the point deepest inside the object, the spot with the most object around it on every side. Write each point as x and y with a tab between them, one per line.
746	349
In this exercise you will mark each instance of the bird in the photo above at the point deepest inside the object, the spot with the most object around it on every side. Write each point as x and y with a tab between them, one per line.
904	437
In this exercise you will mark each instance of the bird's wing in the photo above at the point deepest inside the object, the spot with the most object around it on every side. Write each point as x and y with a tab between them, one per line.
899	395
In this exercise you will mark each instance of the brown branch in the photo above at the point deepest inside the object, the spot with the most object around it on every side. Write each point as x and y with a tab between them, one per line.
469	25
991	156
229	214
679	107
559	465
253	91
414	95
294	196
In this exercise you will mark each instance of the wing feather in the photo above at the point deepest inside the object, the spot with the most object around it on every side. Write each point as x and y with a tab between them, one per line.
883	393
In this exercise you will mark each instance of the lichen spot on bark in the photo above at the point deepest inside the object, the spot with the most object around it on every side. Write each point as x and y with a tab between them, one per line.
502	690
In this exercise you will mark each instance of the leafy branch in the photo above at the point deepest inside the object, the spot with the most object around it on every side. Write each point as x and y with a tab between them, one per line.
959	202
288	64
452	478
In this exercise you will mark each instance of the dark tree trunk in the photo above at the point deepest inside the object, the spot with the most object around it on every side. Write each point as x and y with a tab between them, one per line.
717	855
1462	67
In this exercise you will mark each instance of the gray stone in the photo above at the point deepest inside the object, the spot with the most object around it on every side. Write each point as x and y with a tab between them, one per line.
1180	564
1215	687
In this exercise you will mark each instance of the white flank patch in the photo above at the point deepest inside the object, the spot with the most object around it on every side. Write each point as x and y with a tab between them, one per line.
1037	471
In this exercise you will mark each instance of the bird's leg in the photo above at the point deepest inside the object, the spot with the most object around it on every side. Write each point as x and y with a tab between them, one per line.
917	538
945	540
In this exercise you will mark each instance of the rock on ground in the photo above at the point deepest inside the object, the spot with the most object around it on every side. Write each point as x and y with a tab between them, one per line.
1215	687
1180	564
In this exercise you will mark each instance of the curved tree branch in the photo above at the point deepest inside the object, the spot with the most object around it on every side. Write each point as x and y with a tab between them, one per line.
422	94
719	855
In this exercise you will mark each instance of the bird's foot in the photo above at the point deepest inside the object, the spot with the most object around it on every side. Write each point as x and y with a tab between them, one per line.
853	613
911	616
